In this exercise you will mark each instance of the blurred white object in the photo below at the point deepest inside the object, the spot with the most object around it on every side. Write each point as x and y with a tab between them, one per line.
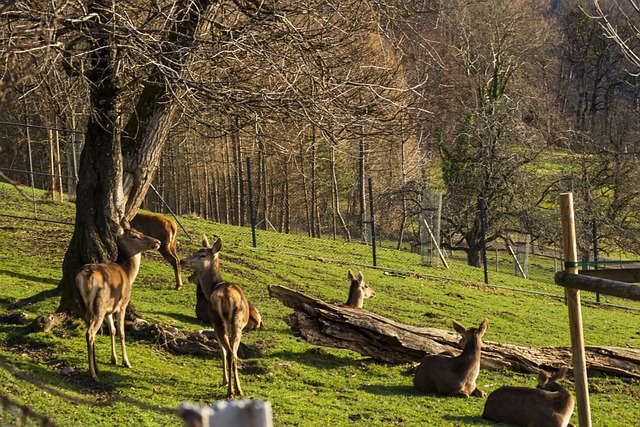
227	413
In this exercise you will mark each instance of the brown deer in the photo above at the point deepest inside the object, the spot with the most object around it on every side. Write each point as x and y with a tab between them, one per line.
105	289
165	230
358	292
454	376
228	309
255	319
202	308
548	405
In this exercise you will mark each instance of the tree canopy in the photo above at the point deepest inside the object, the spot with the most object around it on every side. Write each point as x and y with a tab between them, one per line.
510	103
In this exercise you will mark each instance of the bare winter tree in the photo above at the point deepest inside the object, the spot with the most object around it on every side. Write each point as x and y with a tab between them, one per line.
228	66
503	126
601	93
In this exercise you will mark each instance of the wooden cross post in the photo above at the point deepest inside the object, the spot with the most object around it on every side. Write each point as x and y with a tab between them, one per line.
575	314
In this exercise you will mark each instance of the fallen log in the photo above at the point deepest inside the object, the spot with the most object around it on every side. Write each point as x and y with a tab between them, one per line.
388	341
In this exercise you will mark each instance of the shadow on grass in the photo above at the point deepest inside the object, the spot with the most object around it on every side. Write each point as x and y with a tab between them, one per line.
191	320
317	357
30	278
103	393
33	299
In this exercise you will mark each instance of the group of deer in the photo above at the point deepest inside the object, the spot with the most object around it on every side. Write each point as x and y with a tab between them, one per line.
547	405
105	290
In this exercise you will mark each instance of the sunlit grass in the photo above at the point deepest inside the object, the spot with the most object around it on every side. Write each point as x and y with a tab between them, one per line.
307	386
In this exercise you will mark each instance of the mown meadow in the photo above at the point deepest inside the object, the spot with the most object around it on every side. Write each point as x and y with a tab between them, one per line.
306	385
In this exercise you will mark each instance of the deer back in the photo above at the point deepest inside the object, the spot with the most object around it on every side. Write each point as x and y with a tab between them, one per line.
156	226
449	375
230	305
549	404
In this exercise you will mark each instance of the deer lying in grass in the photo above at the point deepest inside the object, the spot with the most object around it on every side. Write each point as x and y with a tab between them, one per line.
105	289
548	405
454	376
228	311
165	230
255	319
358	292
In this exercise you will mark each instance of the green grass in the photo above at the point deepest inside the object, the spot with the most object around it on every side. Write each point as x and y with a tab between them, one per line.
306	386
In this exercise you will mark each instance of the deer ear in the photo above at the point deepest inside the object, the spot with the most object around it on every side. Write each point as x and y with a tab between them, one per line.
350	275
205	241
560	374
217	245
543	378
458	327
125	224
360	277
483	326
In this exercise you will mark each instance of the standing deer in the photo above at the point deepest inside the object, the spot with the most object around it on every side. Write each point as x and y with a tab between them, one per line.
202	308
228	309
105	289
454	376
358	292
548	405
165	230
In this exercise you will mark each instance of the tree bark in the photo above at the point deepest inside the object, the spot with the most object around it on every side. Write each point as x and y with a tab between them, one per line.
99	203
149	126
388	341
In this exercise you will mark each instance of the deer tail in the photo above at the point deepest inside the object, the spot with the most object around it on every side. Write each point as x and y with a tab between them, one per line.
88	282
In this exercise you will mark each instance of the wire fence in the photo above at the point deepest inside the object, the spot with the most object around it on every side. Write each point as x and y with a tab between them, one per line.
47	158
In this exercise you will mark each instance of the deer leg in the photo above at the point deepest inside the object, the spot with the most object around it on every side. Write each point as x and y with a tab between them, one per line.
230	366
234	363
92	330
125	358
477	392
91	339
459	394
223	343
172	258
112	332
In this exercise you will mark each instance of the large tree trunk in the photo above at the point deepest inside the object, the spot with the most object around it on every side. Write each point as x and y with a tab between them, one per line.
388	341
99	202
148	128
151	125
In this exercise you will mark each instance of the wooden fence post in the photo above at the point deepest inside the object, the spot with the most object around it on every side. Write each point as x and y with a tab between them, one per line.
575	314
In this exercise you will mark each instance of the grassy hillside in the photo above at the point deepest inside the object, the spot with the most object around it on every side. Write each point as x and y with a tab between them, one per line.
306	386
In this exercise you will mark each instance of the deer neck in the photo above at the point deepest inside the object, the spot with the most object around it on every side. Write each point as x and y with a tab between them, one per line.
131	265
210	277
471	350
355	299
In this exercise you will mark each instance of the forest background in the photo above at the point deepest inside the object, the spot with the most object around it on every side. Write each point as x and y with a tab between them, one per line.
510	103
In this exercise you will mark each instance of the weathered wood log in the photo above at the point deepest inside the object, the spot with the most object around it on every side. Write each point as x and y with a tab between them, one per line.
201	342
388	341
628	275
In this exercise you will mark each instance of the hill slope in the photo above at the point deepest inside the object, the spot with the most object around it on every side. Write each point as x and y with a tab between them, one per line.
307	386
